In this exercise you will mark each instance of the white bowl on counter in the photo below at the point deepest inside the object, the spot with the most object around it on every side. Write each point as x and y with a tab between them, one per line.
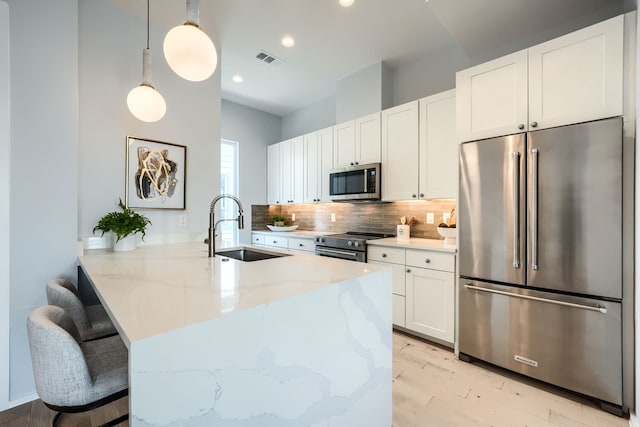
449	235
281	228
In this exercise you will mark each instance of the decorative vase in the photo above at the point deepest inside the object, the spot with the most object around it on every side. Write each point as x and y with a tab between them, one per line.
125	244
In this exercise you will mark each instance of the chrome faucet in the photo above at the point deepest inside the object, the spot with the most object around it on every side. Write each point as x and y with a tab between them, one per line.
213	224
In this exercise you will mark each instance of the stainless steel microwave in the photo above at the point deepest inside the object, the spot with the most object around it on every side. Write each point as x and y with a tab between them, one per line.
358	182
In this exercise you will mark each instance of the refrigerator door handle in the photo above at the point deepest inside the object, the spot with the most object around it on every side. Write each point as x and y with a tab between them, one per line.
534	209
516	213
597	307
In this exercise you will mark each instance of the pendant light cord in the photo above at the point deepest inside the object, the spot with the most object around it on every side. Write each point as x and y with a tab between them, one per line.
147	24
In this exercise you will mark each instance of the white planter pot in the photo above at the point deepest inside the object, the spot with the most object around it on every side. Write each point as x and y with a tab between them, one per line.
125	244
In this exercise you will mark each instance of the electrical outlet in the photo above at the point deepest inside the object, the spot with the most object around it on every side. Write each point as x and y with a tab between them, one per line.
293	217
445	217
182	220
333	217
430	218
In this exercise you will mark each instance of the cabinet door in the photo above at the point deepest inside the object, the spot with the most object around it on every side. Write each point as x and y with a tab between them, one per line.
438	147
368	139
274	173
430	303
399	309
491	98
312	167
297	170
398	276
344	144
400	152
577	77
286	171
325	144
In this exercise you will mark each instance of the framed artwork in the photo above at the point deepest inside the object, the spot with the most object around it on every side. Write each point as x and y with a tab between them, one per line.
155	174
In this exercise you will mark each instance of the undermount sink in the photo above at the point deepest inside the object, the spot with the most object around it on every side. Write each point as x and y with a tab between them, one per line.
249	254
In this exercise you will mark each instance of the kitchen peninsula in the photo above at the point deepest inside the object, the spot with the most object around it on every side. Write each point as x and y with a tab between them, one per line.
290	341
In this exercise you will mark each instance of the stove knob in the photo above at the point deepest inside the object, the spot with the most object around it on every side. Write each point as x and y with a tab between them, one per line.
356	244
349	243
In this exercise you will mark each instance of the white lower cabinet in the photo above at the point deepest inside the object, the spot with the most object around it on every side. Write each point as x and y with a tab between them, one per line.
423	289
296	244
430	302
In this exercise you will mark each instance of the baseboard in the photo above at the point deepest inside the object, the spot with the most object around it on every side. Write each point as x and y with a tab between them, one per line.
633	420
20	401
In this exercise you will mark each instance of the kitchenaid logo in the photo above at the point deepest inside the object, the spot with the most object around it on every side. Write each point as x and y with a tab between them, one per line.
526	361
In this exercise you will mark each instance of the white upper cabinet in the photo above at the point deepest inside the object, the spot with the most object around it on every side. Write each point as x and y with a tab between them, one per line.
273	173
292	167
570	79
492	98
400	152
325	145
311	168
318	161
357	142
438	147
368	139
577	77
420	149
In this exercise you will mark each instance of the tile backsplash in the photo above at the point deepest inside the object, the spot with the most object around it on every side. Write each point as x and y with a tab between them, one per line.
362	216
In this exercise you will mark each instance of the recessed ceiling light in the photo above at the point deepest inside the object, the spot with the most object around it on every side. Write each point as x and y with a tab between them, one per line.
346	3
288	41
237	79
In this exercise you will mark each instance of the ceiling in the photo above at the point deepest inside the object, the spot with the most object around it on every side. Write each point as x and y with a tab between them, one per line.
333	42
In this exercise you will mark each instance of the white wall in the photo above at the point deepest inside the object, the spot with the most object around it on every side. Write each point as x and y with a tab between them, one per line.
110	61
44	159
318	115
5	177
428	75
253	130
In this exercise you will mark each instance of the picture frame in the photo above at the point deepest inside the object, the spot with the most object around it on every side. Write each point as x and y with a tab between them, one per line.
155	175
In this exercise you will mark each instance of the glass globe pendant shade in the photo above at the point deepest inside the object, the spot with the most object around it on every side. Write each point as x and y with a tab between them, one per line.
190	52
146	103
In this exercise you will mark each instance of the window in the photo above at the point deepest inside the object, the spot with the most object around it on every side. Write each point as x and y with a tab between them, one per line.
228	230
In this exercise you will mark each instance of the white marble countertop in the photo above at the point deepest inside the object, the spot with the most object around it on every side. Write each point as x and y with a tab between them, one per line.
414	243
296	233
157	289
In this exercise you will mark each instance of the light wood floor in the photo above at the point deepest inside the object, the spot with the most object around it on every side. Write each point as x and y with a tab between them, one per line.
430	388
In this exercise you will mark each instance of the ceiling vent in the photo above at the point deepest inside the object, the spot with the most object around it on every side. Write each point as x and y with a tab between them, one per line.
269	59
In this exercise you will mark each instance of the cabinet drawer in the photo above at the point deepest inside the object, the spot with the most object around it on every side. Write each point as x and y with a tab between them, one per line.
277	241
257	239
433	260
380	253
398	313
298	244
398	276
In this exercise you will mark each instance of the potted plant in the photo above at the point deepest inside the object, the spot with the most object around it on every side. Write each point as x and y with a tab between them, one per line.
124	226
278	220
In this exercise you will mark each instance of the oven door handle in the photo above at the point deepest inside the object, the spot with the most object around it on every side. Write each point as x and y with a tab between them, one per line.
335	251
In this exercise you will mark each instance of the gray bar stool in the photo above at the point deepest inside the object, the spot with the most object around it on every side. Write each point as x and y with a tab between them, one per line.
92	321
73	376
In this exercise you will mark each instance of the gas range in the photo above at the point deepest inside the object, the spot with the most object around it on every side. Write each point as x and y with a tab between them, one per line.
351	245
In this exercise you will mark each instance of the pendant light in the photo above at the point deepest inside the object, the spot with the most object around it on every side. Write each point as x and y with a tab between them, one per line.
188	50
144	102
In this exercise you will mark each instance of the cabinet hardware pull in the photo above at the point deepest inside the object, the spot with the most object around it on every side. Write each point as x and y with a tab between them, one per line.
408	270
421	194
384	255
516	209
300	244
597	307
275	241
414	195
351	163
534	124
427	260
521	126
534	209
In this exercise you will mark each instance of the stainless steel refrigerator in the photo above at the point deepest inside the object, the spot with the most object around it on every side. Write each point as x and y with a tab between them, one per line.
540	247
